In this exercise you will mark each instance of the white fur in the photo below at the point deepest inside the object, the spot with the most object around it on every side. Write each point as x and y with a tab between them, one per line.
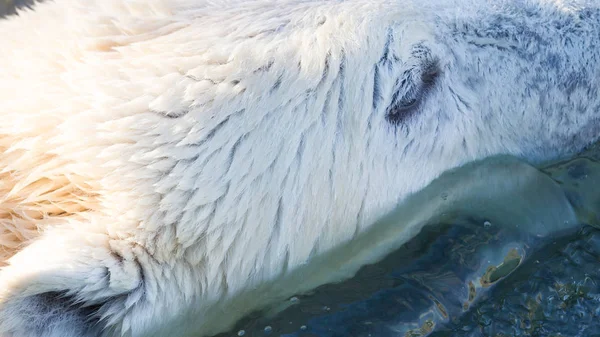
168	166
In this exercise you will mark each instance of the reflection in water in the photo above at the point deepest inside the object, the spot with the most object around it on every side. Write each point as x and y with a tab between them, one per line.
505	253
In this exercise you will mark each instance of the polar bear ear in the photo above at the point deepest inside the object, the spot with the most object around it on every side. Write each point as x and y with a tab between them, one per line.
419	77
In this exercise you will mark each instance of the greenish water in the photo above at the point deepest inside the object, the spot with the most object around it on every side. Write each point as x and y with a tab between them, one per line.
504	262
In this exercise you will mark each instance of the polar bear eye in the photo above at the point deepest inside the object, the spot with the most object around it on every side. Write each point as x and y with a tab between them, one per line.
413	85
410	92
402	108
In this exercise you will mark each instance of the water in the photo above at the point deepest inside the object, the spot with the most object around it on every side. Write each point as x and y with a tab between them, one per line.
511	254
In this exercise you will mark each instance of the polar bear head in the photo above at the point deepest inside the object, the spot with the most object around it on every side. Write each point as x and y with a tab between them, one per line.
245	139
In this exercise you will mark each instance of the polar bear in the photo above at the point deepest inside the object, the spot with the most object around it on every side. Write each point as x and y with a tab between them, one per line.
167	166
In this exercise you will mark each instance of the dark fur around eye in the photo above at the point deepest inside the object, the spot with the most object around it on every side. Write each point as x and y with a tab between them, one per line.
413	86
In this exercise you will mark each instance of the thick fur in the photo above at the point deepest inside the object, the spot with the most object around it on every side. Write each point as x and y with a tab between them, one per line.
167	166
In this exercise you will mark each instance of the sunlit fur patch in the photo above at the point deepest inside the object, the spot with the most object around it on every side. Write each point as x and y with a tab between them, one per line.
36	192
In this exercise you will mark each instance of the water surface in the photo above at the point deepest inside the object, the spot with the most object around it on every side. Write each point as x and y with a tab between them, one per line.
508	250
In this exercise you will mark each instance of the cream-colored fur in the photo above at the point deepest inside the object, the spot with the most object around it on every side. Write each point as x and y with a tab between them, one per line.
167	166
